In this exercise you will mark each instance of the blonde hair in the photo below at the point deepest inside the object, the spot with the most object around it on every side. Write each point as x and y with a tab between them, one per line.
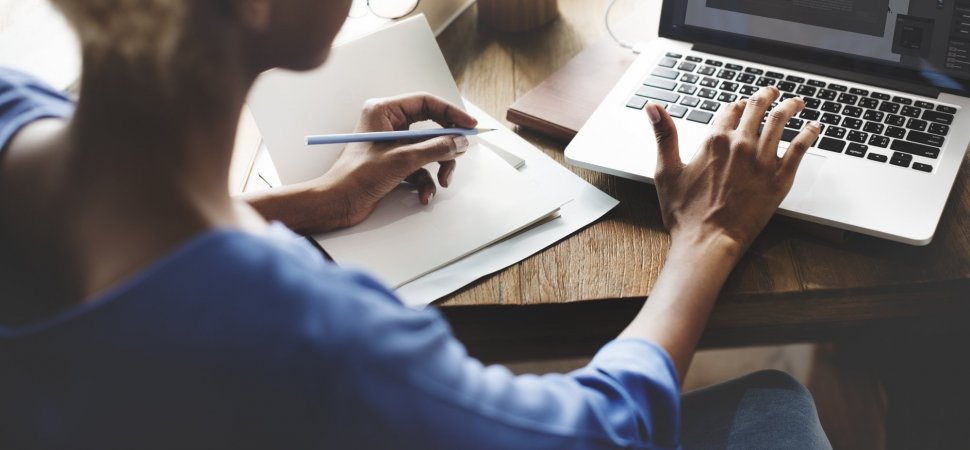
148	31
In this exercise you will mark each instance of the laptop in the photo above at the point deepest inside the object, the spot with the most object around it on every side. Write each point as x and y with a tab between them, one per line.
888	80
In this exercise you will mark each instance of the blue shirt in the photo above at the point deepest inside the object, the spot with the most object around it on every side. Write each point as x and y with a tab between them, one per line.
240	341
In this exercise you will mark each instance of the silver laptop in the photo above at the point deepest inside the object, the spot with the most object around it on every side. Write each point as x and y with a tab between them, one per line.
888	79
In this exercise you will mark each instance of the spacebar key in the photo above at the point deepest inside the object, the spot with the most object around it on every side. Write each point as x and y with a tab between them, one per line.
657	94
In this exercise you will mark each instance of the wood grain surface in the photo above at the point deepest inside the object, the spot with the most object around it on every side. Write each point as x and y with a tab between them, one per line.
796	283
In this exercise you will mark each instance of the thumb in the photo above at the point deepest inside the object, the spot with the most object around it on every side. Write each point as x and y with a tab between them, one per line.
664	130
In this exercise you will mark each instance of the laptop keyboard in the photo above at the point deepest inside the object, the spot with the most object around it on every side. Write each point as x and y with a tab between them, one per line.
880	127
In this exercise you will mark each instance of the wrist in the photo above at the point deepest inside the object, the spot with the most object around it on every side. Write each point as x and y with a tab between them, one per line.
716	245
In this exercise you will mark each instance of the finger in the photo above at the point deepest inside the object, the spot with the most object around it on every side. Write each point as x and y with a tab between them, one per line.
775	125
425	184
442	148
755	110
729	116
418	107
798	147
445	170
665	132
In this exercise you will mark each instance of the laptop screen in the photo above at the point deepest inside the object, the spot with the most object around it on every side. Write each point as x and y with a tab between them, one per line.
921	41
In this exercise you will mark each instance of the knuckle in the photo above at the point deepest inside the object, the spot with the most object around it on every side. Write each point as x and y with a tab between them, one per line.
778	115
374	105
719	140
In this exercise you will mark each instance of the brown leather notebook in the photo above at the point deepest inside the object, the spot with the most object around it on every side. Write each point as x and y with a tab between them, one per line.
562	103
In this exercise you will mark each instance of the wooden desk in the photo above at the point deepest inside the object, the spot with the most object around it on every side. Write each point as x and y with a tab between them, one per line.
569	299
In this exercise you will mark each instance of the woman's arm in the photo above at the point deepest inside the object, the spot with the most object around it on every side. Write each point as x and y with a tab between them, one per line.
366	172
714	207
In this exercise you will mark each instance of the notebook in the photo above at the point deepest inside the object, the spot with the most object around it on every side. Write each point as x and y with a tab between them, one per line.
887	79
487	201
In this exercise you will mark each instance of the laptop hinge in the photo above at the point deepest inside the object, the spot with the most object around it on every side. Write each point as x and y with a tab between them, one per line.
912	88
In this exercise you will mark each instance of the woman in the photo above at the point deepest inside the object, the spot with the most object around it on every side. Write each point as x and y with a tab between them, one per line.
142	307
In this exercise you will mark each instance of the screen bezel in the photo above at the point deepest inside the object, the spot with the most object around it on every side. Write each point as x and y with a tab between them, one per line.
797	53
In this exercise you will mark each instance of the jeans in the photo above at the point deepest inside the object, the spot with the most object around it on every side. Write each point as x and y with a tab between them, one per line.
763	410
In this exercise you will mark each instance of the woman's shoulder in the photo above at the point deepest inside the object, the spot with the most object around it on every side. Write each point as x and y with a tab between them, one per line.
24	99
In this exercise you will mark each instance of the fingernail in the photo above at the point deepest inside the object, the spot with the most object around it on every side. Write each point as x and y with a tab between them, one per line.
461	144
653	114
815	125
430	197
448	179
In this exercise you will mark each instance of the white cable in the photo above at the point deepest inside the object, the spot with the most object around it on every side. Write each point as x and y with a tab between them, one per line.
609	30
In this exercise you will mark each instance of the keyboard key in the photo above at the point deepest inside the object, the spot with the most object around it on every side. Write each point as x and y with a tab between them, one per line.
687	89
775	75
787	86
879	141
727	97
706	70
857	91
870	103
939	129
877	157
875	116
806	91
748	90
657	94
895	132
858	136
674	55
733	66
826	94
848	99
837	87
910	111
852	111
699	116
788	134
831	107
831	119
764	81
690	101
637	102
880	96
925	138
816	83
710	106
665	73
896	121
902	100
916	124
725	74
795	123
689	78
694	59
873	127
661	83
835	132
809	114
729	86
938	117
707	93
746	78
854	124
709	82
915	149
676	111
714	62
922	104
832	145
857	150
687	66
667	62
901	155
889	107
922	167
946	109
754	71
899	162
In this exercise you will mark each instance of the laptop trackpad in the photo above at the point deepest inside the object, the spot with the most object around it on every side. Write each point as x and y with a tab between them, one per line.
801	190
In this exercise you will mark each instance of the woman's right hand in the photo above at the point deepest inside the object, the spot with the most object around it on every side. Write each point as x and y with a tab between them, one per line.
737	180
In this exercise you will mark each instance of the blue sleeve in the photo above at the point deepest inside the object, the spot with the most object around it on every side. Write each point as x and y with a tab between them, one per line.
24	99
415	381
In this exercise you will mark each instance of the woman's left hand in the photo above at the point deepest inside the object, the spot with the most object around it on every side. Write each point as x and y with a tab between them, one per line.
366	172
